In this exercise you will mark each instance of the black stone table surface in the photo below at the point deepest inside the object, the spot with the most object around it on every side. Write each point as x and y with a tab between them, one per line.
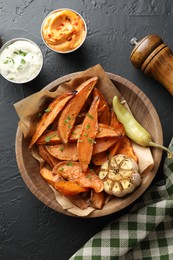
28	228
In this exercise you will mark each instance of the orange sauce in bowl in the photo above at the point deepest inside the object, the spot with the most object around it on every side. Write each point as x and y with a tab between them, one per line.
63	30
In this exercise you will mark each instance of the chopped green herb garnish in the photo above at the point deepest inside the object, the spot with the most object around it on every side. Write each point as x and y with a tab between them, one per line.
6	61
85	134
23	61
61	169
68	118
87	126
61	149
22	53
90	116
48	138
39	115
47	110
90	140
80	141
69	164
89	177
9	60
19	67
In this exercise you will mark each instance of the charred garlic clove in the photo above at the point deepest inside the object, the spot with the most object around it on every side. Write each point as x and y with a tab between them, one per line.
120	175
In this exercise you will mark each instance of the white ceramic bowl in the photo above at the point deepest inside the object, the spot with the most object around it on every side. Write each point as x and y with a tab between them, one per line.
69	50
21	60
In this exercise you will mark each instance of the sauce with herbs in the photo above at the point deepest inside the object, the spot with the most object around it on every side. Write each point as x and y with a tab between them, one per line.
20	61
63	30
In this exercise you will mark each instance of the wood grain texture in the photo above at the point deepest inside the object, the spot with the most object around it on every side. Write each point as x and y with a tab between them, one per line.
144	112
155	59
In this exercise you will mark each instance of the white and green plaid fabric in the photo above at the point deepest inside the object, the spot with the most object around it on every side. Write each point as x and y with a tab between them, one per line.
146	232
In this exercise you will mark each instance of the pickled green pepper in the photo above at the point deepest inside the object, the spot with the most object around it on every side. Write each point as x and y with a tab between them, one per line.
133	129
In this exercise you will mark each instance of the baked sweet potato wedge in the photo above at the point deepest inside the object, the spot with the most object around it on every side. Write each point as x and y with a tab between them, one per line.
51	137
64	151
47	175
103	144
126	148
115	124
100	158
70	112
50	114
113	150
88	134
97	200
72	171
106	131
79	201
69	188
103	109
46	156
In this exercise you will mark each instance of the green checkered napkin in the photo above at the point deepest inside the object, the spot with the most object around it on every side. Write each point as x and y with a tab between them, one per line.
146	232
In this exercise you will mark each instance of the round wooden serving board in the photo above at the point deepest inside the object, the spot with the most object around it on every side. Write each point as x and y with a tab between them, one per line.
144	112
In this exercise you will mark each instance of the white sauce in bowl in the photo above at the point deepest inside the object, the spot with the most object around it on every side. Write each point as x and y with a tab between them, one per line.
20	61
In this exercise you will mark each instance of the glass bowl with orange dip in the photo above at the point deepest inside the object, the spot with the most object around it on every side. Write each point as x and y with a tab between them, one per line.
64	30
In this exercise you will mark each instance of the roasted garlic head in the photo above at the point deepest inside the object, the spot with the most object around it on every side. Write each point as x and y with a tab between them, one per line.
120	175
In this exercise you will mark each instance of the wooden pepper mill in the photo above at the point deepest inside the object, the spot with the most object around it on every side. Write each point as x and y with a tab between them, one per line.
155	59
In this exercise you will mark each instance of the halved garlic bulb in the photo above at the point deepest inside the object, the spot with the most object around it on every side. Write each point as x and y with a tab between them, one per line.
120	175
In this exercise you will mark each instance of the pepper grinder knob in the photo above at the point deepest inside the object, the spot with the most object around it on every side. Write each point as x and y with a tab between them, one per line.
134	41
154	58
